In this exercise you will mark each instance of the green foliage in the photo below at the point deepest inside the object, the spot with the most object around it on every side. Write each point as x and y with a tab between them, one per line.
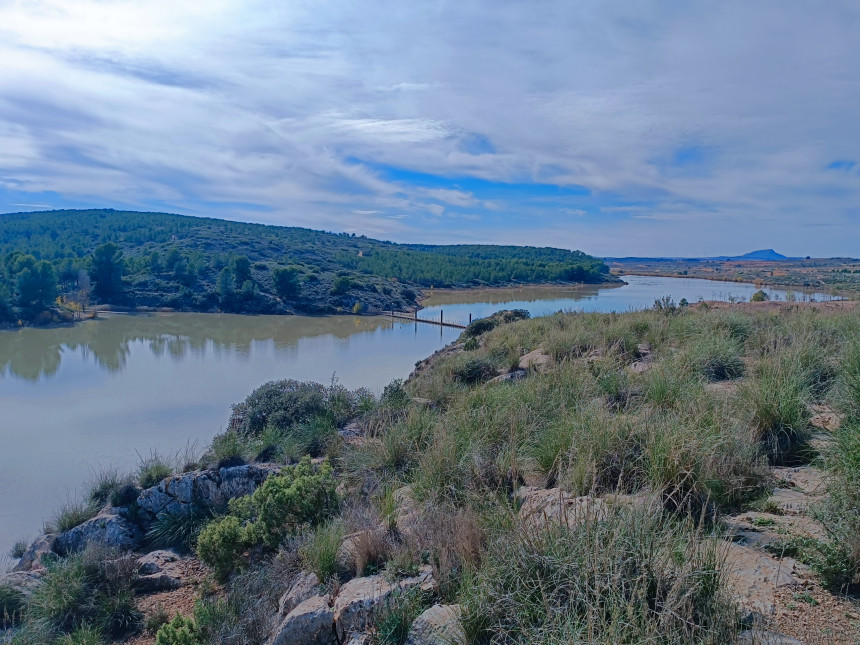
483	325
109	487
715	357
319	551
12	603
286	281
395	616
340	285
300	496
221	543
178	530
759	296
179	631
473	370
82	636
629	577
37	284
153	470
106	271
70	515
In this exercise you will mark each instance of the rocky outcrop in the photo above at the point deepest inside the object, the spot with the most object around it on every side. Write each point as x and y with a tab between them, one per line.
516	375
310	623
305	585
108	528
541	506
202	488
359	598
439	625
32	560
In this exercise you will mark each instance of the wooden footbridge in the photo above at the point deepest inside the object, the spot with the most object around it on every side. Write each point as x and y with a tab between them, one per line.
413	317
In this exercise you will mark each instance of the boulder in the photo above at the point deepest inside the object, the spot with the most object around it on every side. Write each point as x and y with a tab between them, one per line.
516	375
358	599
32	558
159	571
305	585
108	528
537	360
439	625
540	506
309	623
24	582
201	489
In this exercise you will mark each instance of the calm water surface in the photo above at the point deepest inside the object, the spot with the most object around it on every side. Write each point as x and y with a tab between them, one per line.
105	392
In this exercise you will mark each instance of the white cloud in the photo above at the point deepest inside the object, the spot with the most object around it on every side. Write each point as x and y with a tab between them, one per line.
290	105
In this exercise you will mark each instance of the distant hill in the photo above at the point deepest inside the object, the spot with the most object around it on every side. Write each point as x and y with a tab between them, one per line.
764	254
202	264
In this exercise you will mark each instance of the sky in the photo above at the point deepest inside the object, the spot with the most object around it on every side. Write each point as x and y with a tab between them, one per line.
619	128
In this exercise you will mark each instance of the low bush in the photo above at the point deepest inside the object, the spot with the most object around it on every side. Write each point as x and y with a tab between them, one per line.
109	487
221	543
471	370
178	531
395	616
82	636
70	515
179	631
12	603
18	549
716	358
319	551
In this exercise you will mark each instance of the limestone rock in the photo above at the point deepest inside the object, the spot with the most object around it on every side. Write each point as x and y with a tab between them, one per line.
309	623
541	506
537	360
202	488
516	375
24	582
108	528
439	625
158	571
32	558
358	599
305	585
754	577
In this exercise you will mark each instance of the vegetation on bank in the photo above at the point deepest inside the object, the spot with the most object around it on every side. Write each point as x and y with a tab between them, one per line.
63	261
669	448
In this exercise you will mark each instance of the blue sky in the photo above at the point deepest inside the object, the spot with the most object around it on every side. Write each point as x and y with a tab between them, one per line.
648	128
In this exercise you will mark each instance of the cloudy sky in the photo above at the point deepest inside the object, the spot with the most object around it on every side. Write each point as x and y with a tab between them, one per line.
621	128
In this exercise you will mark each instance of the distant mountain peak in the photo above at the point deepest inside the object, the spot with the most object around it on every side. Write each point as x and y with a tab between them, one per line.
762	254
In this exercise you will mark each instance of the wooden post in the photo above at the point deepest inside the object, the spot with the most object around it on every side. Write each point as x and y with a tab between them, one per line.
470	319
416	314
440	318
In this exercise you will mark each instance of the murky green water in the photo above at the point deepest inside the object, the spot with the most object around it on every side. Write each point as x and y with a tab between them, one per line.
101	393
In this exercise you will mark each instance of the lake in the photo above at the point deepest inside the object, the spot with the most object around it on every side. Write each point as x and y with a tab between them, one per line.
106	392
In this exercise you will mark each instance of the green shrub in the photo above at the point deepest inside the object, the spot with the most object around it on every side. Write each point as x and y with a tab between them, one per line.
115	612
483	325
299	495
716	358
179	631
62	600
848	383
229	449
156	619
220	545
395	616
18	549
471	370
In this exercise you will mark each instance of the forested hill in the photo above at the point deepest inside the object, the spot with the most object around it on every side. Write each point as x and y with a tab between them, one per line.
82	257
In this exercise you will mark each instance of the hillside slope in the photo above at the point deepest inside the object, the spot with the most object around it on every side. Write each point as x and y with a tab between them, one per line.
202	264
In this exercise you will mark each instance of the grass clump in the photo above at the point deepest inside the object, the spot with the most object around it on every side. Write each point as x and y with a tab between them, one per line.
70	515
394	617
178	530
628	577
152	470
715	358
109	487
12	604
320	551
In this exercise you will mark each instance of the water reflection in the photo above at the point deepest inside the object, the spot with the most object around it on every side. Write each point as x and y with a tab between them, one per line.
32	354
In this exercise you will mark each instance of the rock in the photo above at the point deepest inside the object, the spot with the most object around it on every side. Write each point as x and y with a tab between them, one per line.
159	571
309	623
541	506
424	403
351	430
754	577
516	375
640	367
406	512
359	639
537	360
305	585
32	558
358	599
202	488
439	625
24	582
108	528
156	562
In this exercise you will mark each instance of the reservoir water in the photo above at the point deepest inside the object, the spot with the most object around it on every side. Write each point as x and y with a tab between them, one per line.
106	392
